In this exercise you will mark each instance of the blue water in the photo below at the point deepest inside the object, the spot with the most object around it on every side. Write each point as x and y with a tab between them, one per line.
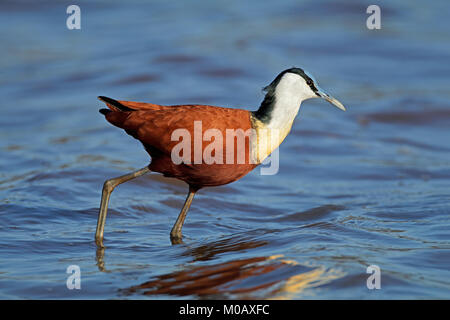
370	186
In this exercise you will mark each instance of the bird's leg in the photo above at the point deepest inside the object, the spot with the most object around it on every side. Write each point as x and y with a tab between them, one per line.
175	234
108	187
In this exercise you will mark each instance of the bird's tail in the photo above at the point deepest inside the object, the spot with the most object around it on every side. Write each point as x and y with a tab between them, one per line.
114	105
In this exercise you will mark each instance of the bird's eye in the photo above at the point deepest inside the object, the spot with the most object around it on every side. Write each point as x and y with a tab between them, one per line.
309	82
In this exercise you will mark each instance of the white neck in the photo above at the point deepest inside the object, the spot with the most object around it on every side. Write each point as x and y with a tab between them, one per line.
289	94
278	111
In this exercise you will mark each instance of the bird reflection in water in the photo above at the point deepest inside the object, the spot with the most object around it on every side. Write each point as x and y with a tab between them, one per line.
253	278
205	251
257	277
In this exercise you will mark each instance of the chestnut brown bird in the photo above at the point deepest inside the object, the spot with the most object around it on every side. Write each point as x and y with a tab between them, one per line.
160	129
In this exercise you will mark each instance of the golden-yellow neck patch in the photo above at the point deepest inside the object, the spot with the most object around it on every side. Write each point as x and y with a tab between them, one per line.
267	139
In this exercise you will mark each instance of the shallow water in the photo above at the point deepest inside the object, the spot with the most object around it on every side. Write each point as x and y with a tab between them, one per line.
367	187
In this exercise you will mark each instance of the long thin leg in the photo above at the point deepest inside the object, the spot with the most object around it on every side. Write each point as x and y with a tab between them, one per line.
175	234
108	187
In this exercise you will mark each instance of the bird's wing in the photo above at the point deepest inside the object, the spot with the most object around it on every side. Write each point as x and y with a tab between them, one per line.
156	128
142	105
122	105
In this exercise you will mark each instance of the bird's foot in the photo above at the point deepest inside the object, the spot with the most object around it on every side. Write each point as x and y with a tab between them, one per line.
176	238
99	242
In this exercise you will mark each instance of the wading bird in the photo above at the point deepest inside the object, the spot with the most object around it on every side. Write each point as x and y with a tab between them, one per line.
153	125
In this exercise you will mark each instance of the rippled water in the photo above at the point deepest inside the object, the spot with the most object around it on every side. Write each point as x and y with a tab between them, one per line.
367	187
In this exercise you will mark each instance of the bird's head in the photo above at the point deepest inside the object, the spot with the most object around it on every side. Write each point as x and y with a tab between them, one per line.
281	104
298	84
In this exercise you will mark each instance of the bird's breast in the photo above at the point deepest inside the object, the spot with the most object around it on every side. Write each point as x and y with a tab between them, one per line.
267	139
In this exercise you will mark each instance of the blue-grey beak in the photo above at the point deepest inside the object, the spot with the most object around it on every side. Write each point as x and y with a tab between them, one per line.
330	99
